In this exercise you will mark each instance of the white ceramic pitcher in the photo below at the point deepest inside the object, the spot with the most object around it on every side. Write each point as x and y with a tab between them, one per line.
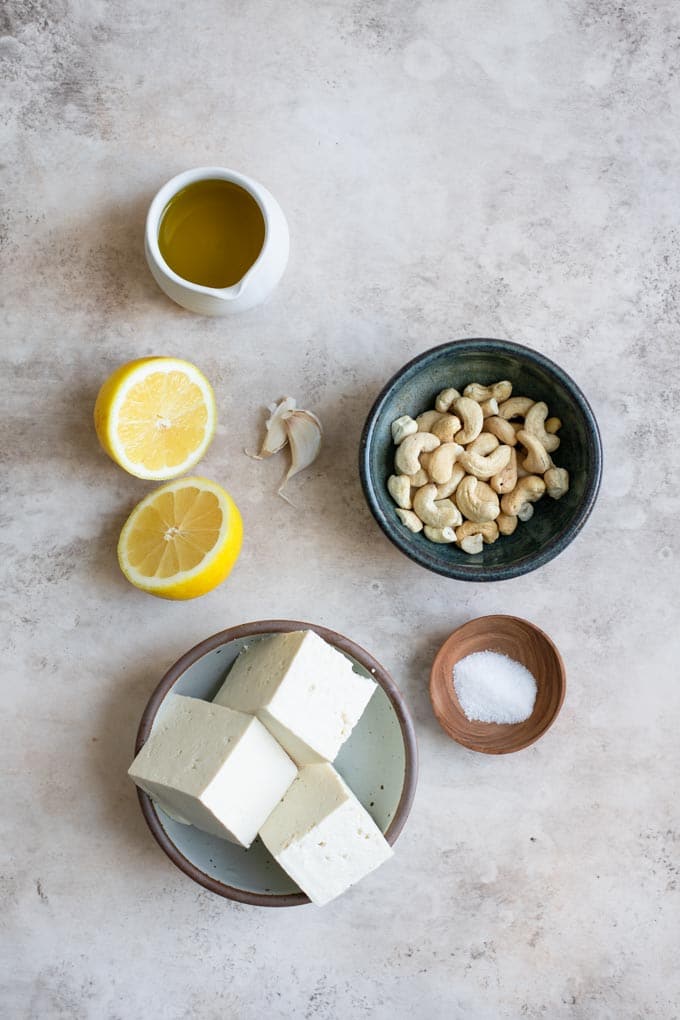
256	284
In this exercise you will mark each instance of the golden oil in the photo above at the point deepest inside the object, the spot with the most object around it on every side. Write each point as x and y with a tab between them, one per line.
211	232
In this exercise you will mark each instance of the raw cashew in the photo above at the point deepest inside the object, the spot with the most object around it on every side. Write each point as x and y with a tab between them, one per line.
556	482
420	478
483	444
442	536
486	467
409	450
506	523
440	514
488	531
440	465
489	407
506	480
501	429
537	460
410	520
445	399
477	501
425	466
498	391
472	417
472	544
399	488
403	427
446	428
527	490
534	424
448	488
426	420
516	407
445	457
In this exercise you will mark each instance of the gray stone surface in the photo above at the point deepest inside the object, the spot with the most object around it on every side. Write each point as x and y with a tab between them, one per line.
448	169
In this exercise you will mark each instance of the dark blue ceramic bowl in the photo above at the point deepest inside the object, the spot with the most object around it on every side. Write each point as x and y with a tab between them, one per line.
555	522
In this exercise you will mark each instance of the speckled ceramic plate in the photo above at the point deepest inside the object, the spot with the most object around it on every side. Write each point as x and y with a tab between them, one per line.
555	523
379	763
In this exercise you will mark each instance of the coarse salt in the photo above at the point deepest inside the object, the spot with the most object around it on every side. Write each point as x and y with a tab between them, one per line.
494	688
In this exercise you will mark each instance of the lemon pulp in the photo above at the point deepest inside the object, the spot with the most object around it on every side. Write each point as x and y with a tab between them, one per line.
174	534
162	419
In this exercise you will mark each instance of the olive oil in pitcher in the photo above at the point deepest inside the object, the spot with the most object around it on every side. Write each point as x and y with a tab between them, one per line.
211	233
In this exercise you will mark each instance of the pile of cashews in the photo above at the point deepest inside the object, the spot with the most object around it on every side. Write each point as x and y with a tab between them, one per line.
470	469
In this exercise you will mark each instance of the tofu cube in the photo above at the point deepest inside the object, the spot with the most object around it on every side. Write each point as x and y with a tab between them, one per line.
322	836
214	768
304	691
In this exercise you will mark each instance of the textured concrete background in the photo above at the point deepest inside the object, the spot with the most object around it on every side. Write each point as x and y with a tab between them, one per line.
474	168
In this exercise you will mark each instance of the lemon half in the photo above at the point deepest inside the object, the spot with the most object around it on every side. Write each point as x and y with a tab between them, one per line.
155	417
182	540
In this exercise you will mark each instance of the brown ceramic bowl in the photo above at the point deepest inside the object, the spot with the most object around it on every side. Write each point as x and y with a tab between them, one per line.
379	762
521	641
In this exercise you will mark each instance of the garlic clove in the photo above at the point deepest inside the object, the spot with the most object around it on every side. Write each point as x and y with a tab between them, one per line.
276	435
304	431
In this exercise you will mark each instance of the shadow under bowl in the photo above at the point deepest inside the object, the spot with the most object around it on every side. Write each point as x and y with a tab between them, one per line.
555	523
519	640
379	762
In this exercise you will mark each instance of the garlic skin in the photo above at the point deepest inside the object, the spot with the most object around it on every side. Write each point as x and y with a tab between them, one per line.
305	433
276	436
291	426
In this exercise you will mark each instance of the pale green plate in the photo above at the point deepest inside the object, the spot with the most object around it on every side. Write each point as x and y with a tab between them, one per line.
378	762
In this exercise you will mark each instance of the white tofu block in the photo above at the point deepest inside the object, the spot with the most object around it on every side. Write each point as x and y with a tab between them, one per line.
322	836
214	768
304	691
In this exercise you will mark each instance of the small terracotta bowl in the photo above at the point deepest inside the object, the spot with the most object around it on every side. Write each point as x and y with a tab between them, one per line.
521	641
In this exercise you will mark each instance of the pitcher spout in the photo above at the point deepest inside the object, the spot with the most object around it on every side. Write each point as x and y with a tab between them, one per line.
235	291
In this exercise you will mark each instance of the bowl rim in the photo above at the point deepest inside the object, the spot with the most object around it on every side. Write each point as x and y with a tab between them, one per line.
559	541
442	718
245	630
